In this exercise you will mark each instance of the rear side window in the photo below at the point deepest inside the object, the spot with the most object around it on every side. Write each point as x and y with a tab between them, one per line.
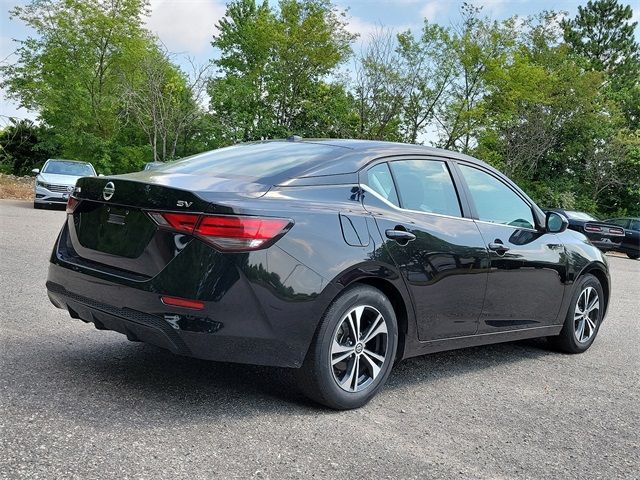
257	160
379	179
635	225
495	201
426	186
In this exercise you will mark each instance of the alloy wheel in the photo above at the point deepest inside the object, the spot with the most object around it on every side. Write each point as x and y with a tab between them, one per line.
359	348
585	317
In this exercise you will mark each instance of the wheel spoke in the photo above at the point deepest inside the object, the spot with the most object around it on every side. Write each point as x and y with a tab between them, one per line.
374	355
357	373
375	369
580	331
340	352
354	318
592	325
347	380
377	327
594	305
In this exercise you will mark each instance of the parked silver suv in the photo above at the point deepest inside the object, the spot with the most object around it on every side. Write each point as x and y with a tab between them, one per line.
57	180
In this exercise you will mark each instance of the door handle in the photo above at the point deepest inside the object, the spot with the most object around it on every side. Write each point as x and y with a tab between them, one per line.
400	236
498	246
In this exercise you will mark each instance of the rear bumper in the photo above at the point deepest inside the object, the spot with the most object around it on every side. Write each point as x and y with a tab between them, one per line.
181	334
247	317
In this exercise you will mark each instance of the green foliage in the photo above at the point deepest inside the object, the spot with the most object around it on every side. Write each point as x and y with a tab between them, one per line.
274	66
25	146
552	102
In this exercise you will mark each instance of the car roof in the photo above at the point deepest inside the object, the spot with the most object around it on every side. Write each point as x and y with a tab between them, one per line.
356	154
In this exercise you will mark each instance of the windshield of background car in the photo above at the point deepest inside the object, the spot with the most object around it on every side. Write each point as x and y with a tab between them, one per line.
69	168
579	216
253	161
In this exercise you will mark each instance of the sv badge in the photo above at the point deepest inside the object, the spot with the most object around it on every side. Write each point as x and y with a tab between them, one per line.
184	203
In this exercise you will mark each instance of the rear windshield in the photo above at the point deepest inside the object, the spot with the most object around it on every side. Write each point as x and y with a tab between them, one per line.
60	167
256	160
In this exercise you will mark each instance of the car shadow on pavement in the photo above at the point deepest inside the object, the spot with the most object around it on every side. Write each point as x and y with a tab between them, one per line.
128	379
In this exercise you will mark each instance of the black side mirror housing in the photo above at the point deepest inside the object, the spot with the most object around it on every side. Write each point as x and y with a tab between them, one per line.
556	222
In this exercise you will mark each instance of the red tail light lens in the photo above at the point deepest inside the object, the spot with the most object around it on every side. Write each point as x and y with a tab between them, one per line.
226	232
616	231
183	222
72	204
592	228
182	302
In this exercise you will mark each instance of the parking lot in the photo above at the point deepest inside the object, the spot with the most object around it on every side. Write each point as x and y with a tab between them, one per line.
80	403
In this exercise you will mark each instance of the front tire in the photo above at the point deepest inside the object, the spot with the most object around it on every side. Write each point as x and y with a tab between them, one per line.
583	318
353	350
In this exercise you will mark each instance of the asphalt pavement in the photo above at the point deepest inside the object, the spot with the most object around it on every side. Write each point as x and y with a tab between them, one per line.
78	403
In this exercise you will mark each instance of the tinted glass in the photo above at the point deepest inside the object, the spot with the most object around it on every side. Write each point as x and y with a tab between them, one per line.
495	202
635	225
426	186
60	167
622	222
253	160
379	179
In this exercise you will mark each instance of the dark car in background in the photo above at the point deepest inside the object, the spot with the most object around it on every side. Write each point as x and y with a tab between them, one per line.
631	242
604	235
333	257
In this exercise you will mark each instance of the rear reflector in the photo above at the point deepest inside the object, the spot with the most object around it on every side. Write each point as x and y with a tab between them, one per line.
226	232
72	203
182	302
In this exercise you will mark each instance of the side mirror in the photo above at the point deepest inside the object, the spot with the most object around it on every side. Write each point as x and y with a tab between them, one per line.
556	222
36	171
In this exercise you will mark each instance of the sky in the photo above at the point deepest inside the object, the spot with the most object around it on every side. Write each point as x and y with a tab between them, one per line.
185	27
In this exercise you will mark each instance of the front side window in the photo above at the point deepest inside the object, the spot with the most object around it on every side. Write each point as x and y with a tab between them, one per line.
426	186
495	202
379	179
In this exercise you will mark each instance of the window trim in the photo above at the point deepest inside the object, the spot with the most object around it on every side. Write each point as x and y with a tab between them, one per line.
459	187
472	205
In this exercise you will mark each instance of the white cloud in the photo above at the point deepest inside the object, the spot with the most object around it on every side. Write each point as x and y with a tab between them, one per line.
185	25
432	9
362	27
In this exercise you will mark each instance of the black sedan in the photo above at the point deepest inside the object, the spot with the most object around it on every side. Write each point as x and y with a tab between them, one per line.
604	235
631	242
333	257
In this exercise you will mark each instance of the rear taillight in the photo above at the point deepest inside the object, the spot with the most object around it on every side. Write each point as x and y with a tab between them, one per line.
226	232
588	227
616	231
182	302
72	204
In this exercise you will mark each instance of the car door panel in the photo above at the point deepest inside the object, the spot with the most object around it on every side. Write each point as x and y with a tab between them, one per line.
444	267
525	285
526	282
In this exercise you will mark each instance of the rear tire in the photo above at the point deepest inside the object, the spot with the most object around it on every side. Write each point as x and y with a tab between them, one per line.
583	318
633	256
353	350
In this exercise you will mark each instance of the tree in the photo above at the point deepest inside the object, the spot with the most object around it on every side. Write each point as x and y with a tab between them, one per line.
25	145
602	33
163	101
273	64
70	71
